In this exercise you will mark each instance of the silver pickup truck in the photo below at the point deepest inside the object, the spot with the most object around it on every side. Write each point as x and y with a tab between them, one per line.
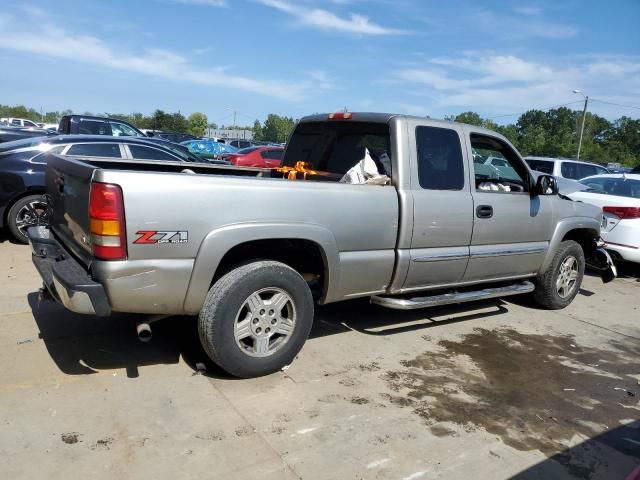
251	250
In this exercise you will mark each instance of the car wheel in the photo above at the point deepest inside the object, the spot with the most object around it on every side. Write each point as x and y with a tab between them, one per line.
559	284
29	211
256	318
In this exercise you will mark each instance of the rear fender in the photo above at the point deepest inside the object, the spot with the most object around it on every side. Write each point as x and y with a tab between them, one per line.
220	241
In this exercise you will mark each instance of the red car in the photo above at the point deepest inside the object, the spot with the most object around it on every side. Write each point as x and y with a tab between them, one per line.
264	157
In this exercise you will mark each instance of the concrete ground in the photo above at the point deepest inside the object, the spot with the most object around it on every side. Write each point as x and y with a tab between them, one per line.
485	391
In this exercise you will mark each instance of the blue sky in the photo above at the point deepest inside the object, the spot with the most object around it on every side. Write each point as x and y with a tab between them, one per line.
298	57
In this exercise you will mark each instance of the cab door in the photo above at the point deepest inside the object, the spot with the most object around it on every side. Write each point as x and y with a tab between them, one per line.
511	227
442	206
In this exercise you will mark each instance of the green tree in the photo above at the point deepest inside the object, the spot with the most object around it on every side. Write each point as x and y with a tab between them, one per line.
198	124
277	128
257	130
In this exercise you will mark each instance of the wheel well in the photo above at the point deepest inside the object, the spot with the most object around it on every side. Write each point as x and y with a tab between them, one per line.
584	237
304	256
26	193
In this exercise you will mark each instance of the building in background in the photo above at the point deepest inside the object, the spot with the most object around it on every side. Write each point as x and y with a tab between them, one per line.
229	133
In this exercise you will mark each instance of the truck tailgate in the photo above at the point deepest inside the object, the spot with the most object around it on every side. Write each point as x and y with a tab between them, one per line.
68	186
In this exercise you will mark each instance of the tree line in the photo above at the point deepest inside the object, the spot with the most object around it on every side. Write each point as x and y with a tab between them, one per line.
556	133
551	133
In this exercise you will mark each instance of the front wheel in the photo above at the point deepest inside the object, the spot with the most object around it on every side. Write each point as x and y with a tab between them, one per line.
559	284
256	318
29	211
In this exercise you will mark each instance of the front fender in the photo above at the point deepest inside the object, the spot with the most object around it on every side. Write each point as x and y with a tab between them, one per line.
565	226
220	241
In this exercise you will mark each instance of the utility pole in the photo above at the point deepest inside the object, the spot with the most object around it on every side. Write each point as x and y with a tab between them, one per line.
584	116
234	120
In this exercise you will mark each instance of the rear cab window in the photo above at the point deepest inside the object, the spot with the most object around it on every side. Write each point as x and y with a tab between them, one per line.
440	162
333	147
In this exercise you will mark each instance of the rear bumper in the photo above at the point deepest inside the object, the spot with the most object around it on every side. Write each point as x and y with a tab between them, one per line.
64	277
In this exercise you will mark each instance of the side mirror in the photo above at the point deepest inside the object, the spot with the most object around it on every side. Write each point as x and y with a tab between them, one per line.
546	185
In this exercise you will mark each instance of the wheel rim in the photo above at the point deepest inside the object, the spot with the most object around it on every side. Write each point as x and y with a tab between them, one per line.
32	214
265	322
567	277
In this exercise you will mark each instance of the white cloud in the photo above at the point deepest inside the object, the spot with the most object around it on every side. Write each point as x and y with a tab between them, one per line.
509	27
492	83
528	10
55	42
326	20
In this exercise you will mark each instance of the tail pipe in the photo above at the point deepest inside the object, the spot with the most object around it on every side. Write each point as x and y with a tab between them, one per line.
143	329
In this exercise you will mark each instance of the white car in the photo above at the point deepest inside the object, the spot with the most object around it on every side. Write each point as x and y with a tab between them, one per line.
19	122
564	167
619	197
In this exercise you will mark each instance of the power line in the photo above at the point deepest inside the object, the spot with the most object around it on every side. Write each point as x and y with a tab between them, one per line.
541	108
616	104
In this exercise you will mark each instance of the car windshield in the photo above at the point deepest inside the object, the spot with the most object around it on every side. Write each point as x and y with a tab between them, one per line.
544	166
244	151
619	187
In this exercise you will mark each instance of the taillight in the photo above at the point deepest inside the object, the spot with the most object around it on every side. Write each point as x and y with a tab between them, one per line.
106	214
623	212
341	116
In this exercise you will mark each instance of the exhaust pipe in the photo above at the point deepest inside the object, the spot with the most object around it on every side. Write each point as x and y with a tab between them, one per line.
144	328
144	332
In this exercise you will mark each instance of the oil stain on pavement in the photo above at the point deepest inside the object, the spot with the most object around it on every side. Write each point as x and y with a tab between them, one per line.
535	392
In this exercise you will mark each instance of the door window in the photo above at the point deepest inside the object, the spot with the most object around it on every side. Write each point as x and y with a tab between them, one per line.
440	163
507	175
272	154
95	150
140	152
544	166
122	130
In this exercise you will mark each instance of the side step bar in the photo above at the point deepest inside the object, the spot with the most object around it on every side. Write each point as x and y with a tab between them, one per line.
404	303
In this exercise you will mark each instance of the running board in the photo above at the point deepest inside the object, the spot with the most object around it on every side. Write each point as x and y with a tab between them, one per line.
403	303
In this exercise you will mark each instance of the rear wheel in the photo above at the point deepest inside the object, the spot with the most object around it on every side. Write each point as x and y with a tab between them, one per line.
256	318
29	211
559	284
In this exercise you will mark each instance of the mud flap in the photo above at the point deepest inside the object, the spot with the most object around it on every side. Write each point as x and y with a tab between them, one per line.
600	260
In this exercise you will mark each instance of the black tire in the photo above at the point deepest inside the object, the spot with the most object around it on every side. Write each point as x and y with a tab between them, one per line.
547	293
225	303
38	217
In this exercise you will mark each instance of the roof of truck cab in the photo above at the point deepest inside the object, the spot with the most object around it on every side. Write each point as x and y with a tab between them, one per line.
376	117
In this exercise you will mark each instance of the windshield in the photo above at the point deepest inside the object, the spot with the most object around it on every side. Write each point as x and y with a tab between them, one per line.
619	187
335	147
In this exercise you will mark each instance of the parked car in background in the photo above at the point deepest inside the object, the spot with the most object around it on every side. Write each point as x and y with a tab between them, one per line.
635	170
18	122
88	125
208	148
10	134
619	197
263	157
565	168
22	168
174	137
240	143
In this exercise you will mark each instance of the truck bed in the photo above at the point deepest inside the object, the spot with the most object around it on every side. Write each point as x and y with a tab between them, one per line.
216	209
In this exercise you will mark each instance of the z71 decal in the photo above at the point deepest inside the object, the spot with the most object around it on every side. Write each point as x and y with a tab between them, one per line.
148	237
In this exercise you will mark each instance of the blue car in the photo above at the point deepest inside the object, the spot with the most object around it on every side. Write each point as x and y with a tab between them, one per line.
208	148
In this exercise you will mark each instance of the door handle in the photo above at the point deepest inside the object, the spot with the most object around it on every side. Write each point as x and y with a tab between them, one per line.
484	211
